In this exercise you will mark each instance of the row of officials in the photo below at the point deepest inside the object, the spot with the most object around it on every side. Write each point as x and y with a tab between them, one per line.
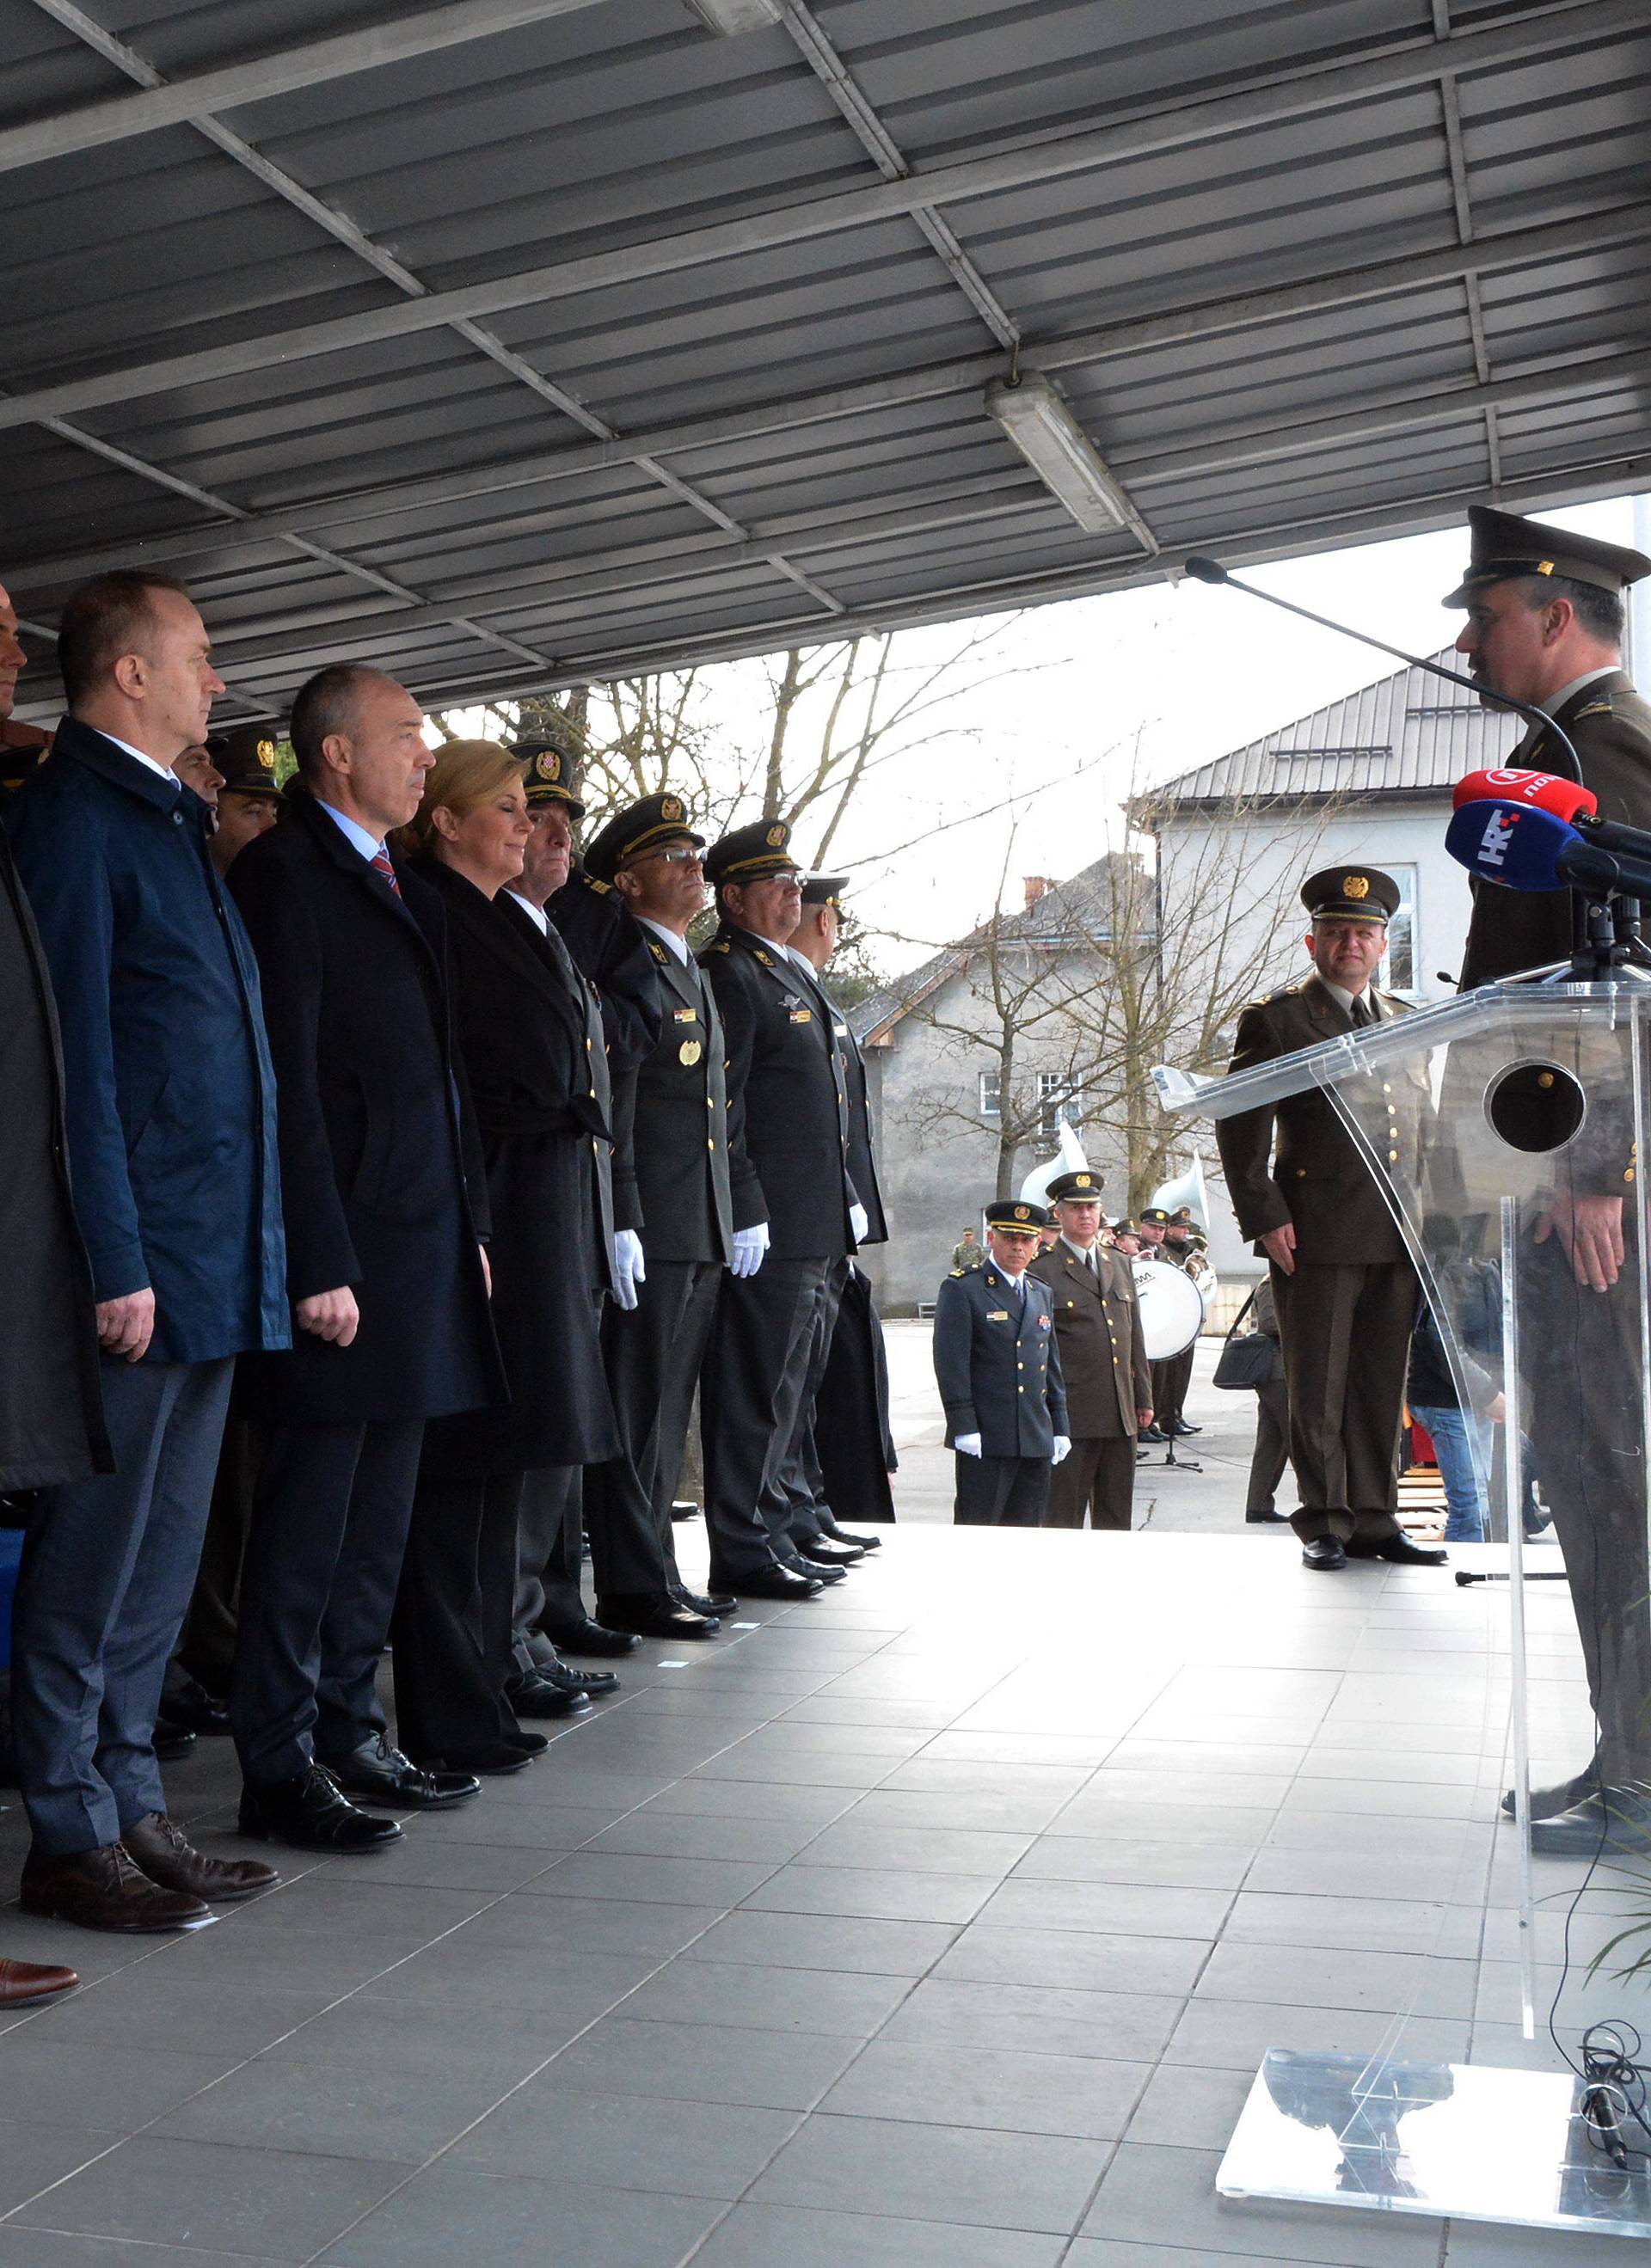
385	1184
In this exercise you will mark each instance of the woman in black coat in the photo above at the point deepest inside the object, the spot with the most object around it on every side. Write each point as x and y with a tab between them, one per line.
522	1034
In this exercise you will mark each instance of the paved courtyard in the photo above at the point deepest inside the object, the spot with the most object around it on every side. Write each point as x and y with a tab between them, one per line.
940	1923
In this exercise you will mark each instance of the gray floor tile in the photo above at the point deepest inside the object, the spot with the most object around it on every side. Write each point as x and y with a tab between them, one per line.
1000	2088
552	1828
1038	2020
1311	1977
372	2110
786	1738
1107	2252
1125	1908
1226	1826
221	2021
666	1835
561	1925
681	2148
784	1941
922	1851
769	2000
564	1983
34	2156
1362	1875
1135	1858
1087	1962
1236	2033
47	2248
889	1894
457	1866
970	2174
286	1960
212	2196
905	1715
1166	2197
1488	2246
720	1882
447	2217
91	2083
728	1799
928	1774
1081	1751
706	2063
1190	2107
800	1768
337	1908
1357	1924
1027	1812
780	2236
413	2037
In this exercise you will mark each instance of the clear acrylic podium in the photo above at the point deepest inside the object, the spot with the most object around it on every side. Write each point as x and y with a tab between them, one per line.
1535	1098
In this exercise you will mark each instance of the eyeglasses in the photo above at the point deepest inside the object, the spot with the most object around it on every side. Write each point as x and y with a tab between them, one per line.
685	855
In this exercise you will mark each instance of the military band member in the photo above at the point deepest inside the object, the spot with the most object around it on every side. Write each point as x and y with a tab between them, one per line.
1171	1378
1149	1245
1344	1289
998	1367
1103	1361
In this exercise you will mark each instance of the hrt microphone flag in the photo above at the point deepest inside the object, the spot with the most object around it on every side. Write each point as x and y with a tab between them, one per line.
1506	784
1515	844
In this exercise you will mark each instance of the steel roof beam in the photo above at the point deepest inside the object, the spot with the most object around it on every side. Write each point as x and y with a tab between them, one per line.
1184	125
119	118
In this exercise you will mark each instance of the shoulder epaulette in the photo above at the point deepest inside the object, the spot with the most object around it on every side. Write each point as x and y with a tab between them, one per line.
720	946
957	1272
1599	707
602	889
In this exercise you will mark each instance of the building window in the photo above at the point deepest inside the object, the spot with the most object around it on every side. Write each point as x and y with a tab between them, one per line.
991	1094
1056	1106
1399	964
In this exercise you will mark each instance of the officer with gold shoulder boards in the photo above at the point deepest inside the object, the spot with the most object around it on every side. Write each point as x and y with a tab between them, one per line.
1103	1361
1344	1289
998	1367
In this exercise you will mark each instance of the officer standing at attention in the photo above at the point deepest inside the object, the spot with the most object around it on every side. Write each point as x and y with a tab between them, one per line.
1172	1377
998	1367
1103	1361
1344	1287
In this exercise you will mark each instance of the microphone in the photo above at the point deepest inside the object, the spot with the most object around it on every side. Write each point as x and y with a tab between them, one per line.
1211	571
1564	798
1522	847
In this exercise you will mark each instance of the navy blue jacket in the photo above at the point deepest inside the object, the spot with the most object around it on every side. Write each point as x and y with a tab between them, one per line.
997	1364
168	1091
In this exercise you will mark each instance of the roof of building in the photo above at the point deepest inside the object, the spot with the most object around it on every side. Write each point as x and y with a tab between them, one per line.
507	344
1409	734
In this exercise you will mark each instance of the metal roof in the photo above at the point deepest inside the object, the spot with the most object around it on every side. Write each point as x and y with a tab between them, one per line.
507	344
1409	734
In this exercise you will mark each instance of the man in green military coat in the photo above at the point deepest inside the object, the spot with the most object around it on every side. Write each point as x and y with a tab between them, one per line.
1344	1290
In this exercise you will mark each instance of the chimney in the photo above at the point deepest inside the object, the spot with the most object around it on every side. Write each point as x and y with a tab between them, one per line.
1034	886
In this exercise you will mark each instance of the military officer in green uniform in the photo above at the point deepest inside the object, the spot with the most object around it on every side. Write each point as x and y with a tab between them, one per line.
998	1367
1103	1361
1344	1287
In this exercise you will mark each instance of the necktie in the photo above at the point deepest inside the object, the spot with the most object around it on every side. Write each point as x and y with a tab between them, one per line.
380	861
1362	1014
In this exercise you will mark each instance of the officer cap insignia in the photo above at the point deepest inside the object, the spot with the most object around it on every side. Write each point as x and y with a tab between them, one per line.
778	836
1021	1213
1355	886
670	807
1085	1181
266	754
548	764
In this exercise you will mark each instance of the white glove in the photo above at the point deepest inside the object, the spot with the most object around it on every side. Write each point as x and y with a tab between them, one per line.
1062	1448
859	1221
966	1445
749	1245
627	1269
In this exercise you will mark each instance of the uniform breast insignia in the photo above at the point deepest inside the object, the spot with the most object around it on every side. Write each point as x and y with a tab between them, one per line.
767	959
657	950
802	1015
690	1053
997	1315
1042	1323
686	1015
842	1030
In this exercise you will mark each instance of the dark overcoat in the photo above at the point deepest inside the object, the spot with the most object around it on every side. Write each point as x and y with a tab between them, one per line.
609	947
530	1036
168	1092
681	1170
851	1434
783	1060
51	1405
862	1159
997	1363
1098	1327
379	1192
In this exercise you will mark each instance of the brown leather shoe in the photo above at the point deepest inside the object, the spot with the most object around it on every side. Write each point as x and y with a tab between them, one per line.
24	1981
104	1890
155	1845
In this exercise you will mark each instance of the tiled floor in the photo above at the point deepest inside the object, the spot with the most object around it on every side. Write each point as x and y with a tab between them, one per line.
940	1923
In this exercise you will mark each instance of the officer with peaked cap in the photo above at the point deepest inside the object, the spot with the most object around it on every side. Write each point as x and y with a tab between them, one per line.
998	1367
1103	1360
1344	1288
782	1057
1545	621
249	800
1173	1376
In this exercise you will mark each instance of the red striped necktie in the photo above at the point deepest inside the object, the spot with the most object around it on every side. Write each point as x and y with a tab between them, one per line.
381	859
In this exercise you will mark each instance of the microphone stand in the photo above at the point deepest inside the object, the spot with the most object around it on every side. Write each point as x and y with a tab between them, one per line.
1598	948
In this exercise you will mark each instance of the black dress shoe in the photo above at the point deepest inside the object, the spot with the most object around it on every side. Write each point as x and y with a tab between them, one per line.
656	1615
172	1742
535	1744
1613	1820
1325	1552
561	1679
186	1702
1398	1550
1548	1802
773	1583
591	1637
681	1509
1277	1519
312	1813
488	1759
820	1569
377	1770
712	1603
1181	1428
861	1542
1153	1433
820	1553
542	1696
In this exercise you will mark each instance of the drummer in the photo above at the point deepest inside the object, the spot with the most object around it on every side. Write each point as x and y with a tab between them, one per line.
1154	1219
1182	1246
1103	1361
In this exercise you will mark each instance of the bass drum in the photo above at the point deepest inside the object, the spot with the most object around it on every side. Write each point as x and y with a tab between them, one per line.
1171	1306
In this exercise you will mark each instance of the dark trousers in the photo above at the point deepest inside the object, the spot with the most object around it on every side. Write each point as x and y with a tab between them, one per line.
802	1483
1094	1481
451	1631
1001	1491
206	1651
106	1575
654	1354
755	1371
323	1558
1170	1379
549	1597
1273	1445
1345	1332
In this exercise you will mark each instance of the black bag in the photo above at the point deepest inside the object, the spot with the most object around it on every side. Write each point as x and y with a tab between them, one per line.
1247	1363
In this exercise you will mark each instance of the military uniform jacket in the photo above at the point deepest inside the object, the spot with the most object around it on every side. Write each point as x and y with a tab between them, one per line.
1097	1329
609	949
1318	1181
997	1365
681	1179
783	1060
1610	727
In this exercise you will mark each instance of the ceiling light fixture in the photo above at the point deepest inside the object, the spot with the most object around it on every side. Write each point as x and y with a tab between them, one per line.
1037	418
728	16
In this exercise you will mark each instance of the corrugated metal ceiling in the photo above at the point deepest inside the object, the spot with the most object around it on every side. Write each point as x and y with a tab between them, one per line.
513	342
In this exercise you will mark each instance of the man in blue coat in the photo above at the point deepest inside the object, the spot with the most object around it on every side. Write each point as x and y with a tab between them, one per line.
170	1116
998	1368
